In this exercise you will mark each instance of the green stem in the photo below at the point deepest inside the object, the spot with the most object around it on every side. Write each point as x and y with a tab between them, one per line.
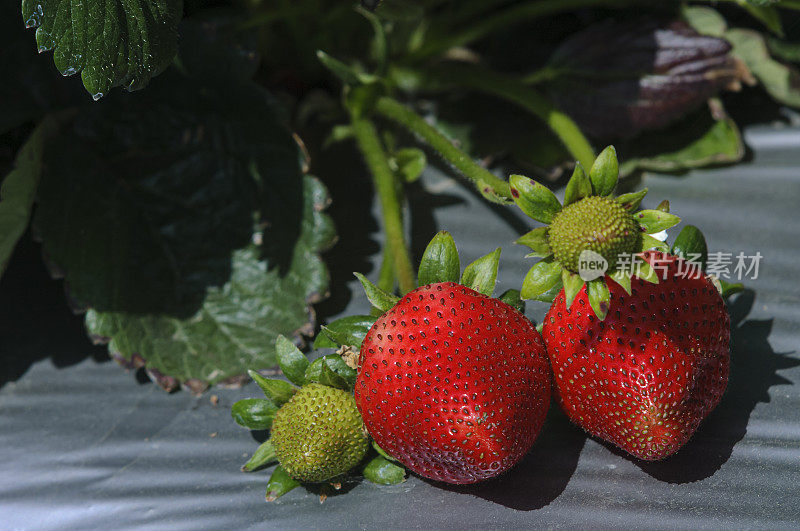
542	75
491	186
515	91
368	142
514	14
386	274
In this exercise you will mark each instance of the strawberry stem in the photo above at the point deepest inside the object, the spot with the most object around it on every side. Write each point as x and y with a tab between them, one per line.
489	185
384	180
515	91
503	18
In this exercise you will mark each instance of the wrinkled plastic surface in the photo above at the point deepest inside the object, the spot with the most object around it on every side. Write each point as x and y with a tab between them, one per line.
87	445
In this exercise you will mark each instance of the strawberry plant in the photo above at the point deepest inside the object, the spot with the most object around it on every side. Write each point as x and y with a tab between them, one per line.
178	178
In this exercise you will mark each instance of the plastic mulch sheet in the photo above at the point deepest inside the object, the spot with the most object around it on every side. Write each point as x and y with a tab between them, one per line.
83	443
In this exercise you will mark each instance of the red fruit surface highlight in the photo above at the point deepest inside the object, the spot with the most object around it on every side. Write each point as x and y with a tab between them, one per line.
645	377
454	384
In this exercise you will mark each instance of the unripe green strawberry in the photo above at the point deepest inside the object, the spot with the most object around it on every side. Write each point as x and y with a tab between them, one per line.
318	434
598	224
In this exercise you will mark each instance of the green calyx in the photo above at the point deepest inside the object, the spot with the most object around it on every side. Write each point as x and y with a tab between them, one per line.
593	236
597	224
440	263
318	434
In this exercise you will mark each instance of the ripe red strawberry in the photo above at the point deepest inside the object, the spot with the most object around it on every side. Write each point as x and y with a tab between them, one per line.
646	376
454	384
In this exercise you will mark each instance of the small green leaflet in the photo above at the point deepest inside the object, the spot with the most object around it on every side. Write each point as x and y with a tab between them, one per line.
19	188
110	42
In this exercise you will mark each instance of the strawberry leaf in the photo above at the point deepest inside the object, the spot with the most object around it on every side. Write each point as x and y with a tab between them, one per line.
728	288
292	362
599	297
382	452
605	172
653	221
648	242
280	483
19	188
537	241
623	278
263	456
440	261
578	186
481	275
513	298
199	235
331	370
236	324
632	200
278	391
254	413
110	42
698	140
572	285
380	299
383	472
410	163
543	281
349	330
534	199
691	245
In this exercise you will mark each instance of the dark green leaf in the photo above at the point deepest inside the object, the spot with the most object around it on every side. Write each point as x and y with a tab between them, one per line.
632	200
690	244
599	297
292	362
410	163
648	242
704	20
729	289
542	280
653	221
333	371
30	87
254	413
605	172
199	235
383	472
110	42
440	262
218	43
481	275
264	455
19	188
489	127
534	199
781	81
280	483
382	452
377	297
335	363
513	298
348	330
767	14
697	141
279	391
646	272
344	72
537	241
623	278
578	186
572	286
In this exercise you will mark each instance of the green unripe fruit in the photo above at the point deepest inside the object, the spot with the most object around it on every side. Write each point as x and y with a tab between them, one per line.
318	434
594	223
